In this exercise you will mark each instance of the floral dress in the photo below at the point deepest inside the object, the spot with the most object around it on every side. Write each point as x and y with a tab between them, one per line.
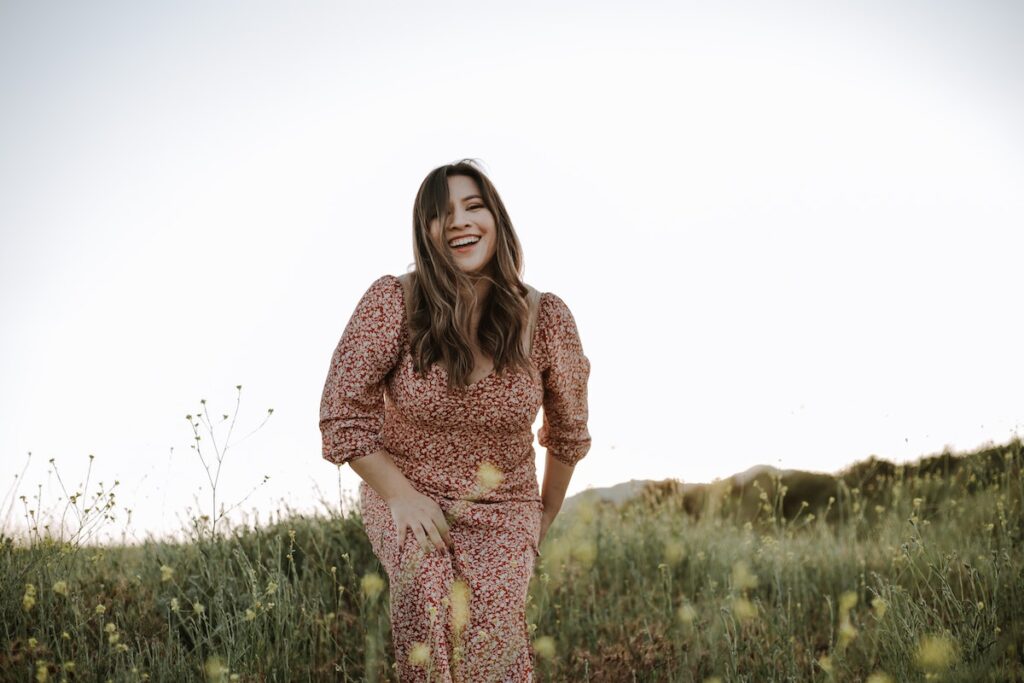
456	614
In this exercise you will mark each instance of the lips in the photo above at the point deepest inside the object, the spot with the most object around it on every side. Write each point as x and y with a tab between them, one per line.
466	248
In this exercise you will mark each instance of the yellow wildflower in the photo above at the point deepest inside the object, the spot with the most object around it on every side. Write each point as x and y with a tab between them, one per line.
215	669
198	608
271	587
42	671
935	653
847	601
686	614
544	647
878	606
743	609
674	551
166	573
847	632
488	476
32	643
28	601
372	585
419	655
249	614
61	588
459	596
110	627
742	577
878	677
100	609
69	666
174	605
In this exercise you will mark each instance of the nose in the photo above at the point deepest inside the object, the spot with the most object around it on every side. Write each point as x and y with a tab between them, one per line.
460	218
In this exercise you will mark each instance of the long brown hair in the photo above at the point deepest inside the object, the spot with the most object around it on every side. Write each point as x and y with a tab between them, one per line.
442	297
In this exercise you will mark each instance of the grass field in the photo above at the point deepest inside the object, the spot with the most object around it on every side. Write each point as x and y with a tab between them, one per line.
915	573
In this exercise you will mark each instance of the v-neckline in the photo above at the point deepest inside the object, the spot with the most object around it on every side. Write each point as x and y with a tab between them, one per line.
408	336
472	384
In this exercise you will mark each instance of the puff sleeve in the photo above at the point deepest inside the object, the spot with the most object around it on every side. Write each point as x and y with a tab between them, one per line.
352	405
564	375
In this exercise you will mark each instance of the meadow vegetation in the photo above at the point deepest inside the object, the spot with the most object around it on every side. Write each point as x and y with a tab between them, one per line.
883	573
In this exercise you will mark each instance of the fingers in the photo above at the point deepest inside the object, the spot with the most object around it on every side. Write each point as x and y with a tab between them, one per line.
421	537
441	525
435	537
426	521
428	536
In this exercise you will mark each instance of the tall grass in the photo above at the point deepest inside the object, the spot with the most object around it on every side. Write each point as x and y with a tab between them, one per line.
908	577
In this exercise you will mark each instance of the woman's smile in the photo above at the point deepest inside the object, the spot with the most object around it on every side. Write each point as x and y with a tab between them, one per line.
468	218
466	248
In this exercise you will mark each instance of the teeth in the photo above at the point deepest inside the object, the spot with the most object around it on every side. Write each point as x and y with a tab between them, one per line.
464	241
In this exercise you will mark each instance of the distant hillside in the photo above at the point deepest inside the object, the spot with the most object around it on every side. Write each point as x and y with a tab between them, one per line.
869	481
616	495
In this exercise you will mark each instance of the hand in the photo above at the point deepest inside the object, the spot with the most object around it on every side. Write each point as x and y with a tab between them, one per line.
423	516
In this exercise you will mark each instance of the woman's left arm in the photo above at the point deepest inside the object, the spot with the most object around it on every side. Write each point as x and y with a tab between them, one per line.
564	432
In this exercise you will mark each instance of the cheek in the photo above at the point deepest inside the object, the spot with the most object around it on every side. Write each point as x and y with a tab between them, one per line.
435	239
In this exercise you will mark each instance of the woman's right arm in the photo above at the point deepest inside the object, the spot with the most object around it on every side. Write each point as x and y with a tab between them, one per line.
352	409
380	472
409	508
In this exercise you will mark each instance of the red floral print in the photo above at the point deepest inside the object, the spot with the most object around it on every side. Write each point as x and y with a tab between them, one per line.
471	451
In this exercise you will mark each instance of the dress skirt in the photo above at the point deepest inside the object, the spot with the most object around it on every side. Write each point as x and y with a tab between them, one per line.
466	604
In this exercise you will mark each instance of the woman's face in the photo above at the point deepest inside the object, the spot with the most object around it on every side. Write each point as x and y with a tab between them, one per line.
468	216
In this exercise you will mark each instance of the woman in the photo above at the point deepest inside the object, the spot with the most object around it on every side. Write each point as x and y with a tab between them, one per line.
431	397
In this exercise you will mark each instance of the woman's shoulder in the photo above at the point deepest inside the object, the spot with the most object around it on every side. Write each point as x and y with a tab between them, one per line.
383	297
553	307
384	286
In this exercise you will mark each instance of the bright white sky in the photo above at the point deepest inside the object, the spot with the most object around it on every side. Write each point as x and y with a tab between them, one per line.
790	233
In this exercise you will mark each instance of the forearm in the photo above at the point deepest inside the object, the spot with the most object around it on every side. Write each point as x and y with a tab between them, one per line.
382	474
556	481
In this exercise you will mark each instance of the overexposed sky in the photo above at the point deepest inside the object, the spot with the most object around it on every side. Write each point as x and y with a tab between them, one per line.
790	233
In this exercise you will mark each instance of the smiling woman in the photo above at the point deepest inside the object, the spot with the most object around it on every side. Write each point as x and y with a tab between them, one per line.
470	226
431	397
